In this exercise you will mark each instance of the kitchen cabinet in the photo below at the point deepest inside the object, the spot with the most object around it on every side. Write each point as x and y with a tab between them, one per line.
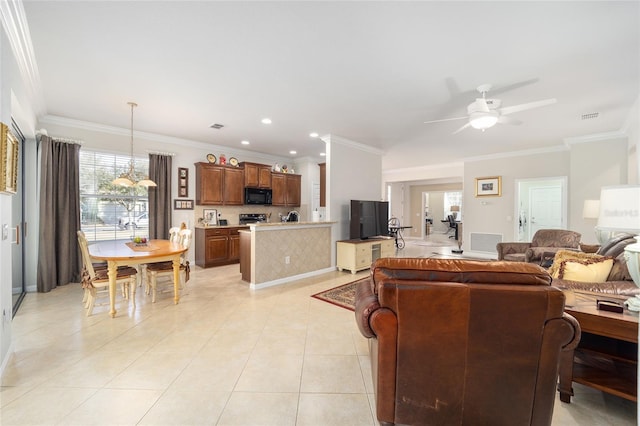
218	246
286	189
219	185
257	175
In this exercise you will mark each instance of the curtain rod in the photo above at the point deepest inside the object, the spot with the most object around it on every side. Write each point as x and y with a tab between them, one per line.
171	154
67	140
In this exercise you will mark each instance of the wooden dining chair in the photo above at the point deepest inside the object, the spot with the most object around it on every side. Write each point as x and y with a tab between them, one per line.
96	280
165	269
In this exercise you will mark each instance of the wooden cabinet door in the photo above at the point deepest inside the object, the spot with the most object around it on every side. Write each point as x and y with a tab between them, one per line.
264	177
217	248
233	186
279	191
234	247
293	185
251	175
209	181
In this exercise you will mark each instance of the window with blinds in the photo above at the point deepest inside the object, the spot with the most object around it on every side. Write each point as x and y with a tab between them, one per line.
109	212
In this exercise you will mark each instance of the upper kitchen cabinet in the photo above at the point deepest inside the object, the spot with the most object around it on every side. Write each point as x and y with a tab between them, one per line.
219	185
286	189
257	175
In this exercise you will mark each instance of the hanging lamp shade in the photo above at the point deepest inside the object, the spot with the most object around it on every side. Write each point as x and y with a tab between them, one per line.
129	178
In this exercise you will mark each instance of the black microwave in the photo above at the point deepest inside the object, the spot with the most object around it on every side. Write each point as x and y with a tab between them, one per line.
257	196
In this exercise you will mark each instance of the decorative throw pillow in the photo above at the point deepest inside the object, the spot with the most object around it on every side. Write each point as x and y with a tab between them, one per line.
587	270
563	255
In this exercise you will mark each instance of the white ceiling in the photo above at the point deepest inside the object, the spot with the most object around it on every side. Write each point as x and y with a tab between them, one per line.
371	72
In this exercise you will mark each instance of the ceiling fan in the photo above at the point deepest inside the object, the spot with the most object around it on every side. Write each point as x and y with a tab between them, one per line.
484	112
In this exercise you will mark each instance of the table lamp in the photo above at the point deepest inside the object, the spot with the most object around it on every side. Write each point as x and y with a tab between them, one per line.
454	211
620	212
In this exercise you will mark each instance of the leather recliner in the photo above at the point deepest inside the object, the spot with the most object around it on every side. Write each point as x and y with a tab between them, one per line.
461	342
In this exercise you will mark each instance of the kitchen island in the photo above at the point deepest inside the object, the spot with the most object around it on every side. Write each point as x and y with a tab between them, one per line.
276	253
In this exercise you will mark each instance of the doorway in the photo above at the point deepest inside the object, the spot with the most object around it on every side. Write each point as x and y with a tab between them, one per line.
18	282
540	204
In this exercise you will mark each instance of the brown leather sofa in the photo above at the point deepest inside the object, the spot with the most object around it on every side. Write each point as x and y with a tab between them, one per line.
460	342
619	284
544	242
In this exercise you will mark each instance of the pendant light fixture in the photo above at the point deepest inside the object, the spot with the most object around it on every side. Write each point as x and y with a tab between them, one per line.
129	178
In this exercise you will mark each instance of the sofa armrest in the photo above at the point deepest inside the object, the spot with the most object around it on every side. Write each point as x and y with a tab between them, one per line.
366	304
534	254
577	332
510	248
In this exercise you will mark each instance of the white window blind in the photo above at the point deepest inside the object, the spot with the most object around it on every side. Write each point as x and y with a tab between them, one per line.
109	212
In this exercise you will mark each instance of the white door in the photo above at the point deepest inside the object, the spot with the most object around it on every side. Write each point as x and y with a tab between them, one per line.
546	208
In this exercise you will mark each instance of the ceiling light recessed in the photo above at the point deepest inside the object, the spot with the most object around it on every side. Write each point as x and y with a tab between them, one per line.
245	142
292	152
266	121
313	135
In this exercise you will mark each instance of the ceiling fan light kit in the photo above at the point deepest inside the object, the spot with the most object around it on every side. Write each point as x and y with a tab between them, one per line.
485	113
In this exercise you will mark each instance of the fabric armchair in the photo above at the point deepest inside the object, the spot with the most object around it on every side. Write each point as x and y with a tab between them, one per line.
544	242
463	342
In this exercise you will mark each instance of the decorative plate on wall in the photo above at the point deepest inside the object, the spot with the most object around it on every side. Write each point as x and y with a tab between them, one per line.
211	158
233	161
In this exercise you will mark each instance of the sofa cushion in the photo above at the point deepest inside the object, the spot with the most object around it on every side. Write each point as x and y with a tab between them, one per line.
562	255
585	270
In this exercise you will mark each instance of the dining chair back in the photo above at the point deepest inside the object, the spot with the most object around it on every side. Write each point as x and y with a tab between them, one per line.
95	279
165	269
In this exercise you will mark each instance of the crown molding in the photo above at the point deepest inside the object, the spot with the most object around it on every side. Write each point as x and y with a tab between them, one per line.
154	137
595	137
429	167
535	151
14	22
347	142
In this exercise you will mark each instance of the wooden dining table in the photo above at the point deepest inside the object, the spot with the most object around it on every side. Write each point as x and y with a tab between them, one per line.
119	253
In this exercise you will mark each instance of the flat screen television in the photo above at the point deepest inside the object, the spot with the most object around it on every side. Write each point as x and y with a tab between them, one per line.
369	219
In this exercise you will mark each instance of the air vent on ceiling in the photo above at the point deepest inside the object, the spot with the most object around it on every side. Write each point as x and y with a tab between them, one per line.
590	115
217	126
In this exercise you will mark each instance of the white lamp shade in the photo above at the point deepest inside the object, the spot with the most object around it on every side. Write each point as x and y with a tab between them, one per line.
591	209
620	208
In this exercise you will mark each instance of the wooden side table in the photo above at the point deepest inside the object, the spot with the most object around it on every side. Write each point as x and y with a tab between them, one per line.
606	357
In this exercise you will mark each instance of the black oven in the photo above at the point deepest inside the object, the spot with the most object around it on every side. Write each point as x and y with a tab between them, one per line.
257	196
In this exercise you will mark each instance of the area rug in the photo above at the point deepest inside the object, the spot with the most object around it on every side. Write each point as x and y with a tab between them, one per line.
343	295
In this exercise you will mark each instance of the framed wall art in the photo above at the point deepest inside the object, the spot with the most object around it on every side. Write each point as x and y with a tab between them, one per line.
183	182
210	216
489	186
183	204
8	161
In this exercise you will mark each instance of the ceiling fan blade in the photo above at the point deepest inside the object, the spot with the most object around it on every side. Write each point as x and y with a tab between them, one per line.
445	119
481	103
530	105
461	128
508	120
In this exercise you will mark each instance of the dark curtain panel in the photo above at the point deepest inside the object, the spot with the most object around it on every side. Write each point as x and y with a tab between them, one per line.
160	196
59	260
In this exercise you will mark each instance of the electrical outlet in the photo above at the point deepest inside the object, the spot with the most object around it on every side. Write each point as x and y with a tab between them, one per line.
287	260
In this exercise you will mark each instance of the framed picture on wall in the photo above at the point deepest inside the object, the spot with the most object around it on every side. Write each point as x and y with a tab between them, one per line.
489	186
183	182
210	216
183	204
8	160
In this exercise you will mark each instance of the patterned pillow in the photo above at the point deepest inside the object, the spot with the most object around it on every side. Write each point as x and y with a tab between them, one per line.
564	255
586	270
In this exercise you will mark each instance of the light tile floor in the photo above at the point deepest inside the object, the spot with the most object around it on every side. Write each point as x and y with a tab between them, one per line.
223	356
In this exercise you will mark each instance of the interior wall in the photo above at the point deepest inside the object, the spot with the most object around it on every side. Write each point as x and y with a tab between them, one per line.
593	165
494	214
354	172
